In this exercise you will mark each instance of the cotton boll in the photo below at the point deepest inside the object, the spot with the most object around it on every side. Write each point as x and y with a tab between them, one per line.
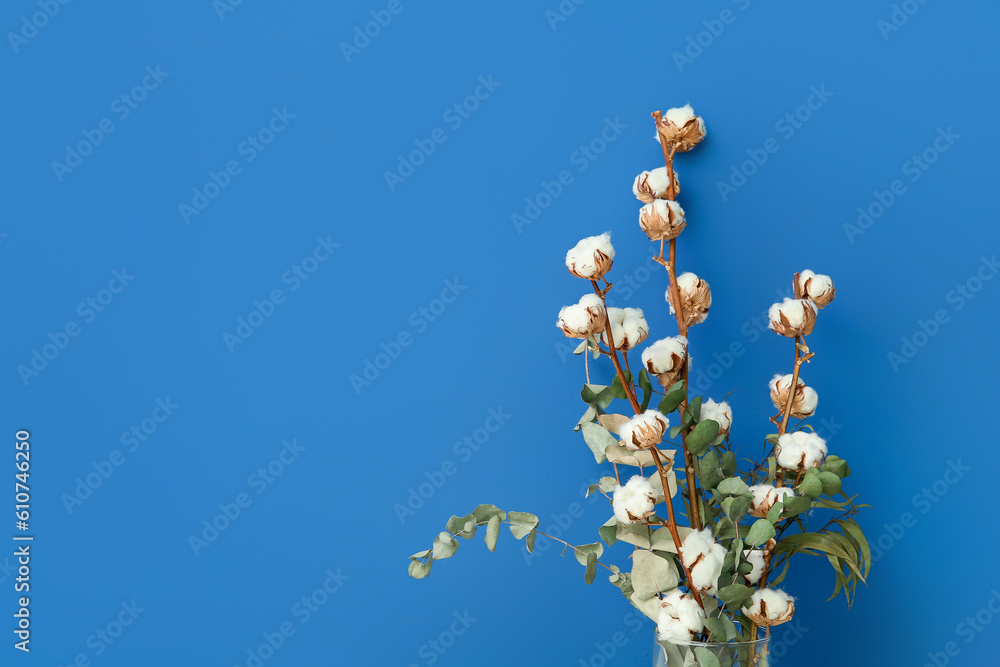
756	559
803	403
696	298
792	317
770	607
585	318
654	184
643	431
634	501
704	557
680	128
680	617
816	287
628	328
665	358
800	450
765	496
662	220
592	257
718	412
680	116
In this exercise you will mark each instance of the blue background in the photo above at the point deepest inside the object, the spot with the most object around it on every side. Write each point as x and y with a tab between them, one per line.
368	448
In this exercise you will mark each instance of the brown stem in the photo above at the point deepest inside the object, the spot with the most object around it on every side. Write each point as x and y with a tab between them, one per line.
672	525
626	385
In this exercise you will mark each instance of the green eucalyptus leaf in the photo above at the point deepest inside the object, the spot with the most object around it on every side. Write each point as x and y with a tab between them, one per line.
810	486
735	594
522	523
484	513
701	436
445	546
710	471
830	481
652	574
760	532
736	507
672	398
609	531
647	389
793	505
598	439
591	572
728	462
420	569
716	629
733	486
492	532
582	551
706	658
463	526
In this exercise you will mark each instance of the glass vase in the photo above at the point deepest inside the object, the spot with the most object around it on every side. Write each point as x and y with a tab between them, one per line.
711	654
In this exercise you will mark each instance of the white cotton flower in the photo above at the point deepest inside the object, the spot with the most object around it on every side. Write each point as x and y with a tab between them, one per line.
803	404
681	128
704	557
592	257
681	618
800	450
585	318
665	358
719	412
696	297
770	607
680	116
816	287
655	184
662	219
792	317
634	501
628	328
643	431
756	559
765	496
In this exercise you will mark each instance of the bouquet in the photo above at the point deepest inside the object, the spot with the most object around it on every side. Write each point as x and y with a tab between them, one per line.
709	536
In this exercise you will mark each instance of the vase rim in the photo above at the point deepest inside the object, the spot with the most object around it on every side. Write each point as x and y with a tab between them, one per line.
756	642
